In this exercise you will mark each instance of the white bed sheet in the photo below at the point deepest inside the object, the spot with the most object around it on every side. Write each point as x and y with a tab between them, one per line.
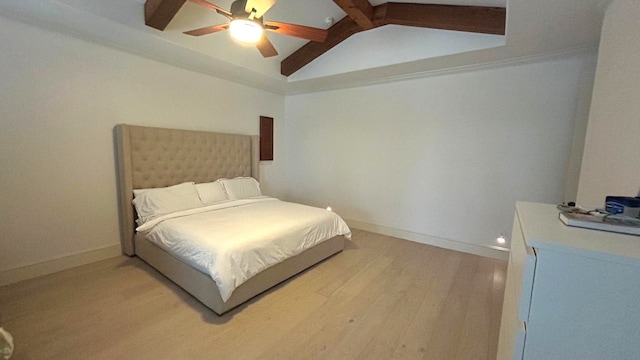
235	240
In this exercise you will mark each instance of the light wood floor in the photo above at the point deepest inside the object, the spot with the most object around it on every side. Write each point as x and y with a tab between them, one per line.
381	298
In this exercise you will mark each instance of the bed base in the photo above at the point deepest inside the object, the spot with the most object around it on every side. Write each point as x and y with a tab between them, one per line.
155	157
203	288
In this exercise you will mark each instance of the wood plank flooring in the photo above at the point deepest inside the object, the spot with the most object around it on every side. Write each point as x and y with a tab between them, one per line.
381	298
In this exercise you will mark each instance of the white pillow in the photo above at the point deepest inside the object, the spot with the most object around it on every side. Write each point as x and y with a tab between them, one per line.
152	203
211	193
241	187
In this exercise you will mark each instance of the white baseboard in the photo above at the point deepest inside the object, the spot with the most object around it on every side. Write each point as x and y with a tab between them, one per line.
495	252
48	267
51	266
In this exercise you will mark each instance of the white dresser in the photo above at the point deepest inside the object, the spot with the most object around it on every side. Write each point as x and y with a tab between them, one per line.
571	293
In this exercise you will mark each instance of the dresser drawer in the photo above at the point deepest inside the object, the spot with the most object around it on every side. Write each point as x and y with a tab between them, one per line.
519	341
512	331
522	266
517	297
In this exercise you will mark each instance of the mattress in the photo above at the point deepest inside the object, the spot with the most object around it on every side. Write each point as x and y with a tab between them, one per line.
235	240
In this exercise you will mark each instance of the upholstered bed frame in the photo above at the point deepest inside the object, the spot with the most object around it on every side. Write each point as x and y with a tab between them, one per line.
156	157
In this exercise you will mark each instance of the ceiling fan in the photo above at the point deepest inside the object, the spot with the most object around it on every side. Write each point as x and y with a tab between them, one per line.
246	24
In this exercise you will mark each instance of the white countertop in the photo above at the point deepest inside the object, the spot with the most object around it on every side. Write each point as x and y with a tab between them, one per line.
543	230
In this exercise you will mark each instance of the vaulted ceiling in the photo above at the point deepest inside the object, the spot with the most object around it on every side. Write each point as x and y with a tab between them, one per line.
360	16
534	30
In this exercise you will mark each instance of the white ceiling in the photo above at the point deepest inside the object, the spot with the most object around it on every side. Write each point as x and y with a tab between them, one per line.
535	28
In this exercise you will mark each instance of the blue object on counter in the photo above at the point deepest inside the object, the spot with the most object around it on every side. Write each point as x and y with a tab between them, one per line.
624	205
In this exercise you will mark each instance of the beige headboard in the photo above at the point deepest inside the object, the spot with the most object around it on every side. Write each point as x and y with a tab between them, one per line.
155	157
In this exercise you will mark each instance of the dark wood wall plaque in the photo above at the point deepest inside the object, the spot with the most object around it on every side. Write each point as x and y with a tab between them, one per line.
266	138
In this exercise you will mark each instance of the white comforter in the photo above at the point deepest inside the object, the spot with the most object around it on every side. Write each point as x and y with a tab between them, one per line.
236	240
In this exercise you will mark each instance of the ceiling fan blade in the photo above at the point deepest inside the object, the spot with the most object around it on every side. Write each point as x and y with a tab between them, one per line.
301	31
266	47
210	6
207	30
261	6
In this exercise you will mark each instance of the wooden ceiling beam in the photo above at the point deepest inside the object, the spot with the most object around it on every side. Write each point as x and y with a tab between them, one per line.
478	19
360	11
159	13
339	32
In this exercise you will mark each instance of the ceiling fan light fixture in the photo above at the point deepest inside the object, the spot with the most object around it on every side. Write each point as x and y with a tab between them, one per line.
245	30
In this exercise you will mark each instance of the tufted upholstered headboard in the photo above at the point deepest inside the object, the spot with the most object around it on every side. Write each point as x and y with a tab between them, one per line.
155	157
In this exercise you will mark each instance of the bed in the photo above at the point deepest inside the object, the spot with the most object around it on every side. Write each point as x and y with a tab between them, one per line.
151	158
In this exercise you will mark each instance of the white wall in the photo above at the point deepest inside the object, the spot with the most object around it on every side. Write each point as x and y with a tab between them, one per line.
60	99
611	164
445	156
